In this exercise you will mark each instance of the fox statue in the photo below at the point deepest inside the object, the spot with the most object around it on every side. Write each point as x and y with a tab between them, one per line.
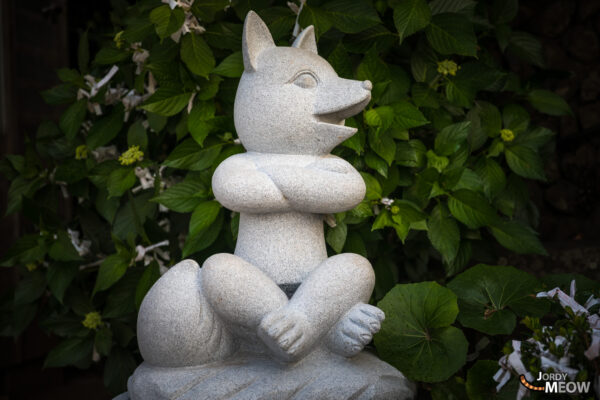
279	296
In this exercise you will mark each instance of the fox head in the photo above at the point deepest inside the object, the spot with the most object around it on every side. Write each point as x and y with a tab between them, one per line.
290	100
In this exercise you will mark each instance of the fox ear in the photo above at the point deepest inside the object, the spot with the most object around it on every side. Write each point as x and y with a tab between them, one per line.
306	40
255	40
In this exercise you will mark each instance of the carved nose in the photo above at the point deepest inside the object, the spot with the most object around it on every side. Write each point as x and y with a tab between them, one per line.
367	85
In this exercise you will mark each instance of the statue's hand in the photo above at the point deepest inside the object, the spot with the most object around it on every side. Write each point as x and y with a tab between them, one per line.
286	332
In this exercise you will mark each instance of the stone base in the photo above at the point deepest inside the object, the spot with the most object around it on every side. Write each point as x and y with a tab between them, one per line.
321	375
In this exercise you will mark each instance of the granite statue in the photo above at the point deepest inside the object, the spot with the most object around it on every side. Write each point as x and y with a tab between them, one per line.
277	319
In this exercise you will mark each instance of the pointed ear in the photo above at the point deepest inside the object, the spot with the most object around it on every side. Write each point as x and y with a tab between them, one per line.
306	40
255	39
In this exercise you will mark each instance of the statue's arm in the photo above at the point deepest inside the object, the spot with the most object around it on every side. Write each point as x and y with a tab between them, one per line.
328	185
239	186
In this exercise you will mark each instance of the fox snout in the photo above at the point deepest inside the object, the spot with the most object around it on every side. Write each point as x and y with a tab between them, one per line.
341	99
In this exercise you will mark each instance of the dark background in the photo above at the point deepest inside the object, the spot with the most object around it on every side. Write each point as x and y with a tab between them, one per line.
40	36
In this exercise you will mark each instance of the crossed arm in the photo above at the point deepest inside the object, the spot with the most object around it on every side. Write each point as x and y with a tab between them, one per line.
327	185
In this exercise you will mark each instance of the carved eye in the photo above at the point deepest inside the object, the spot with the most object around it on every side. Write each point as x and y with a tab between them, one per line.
306	80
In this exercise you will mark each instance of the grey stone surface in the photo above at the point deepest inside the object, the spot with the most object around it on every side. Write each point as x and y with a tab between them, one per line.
228	330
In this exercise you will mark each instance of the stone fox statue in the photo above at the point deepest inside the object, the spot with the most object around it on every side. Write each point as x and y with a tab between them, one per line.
278	293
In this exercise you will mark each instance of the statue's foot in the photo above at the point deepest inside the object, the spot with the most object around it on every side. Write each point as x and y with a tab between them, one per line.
286	332
355	330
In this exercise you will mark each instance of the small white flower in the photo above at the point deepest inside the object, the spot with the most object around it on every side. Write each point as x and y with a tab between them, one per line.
82	246
105	153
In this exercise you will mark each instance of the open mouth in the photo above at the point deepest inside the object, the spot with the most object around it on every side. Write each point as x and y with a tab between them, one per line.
338	117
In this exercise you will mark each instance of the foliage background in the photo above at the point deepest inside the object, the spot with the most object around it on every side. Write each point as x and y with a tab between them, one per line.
416	262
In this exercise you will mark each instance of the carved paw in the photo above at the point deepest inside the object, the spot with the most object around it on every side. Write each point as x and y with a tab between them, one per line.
286	333
355	329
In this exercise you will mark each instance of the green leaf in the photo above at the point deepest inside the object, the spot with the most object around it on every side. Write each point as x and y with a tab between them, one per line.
438	162
59	278
480	380
515	118
120	364
199	122
525	162
231	67
189	155
351	16
492	175
62	249
150	275
70	352
378	164
408	116
103	341
111	270
443	233
336	237
525	46
410	154
452	6
71	120
199	242
110	55
167	21
182	197
416	336
451	33
119	181
411	16
167	101
106	129
203	216
460	91
534	138
487	295
61	94
136	135
472	209
30	288
373	187
384	146
196	55
518	237
549	103
448	141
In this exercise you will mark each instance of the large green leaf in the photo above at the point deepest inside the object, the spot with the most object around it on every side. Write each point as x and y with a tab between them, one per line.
416	336
408	116
448	141
488	297
71	120
525	162
189	155
196	55
167	101
204	239
411	16
111	270
106	128
336	237
451	33
30	288
548	102
119	181
167	21
71	351
492	175
183	197
62	249
231	67
351	16
518	237
443	233
203	216
480	380
472	209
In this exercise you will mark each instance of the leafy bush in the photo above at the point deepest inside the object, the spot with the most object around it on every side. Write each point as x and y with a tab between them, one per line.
446	147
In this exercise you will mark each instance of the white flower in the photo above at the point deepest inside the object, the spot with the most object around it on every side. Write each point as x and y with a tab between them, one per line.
105	153
82	246
387	202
